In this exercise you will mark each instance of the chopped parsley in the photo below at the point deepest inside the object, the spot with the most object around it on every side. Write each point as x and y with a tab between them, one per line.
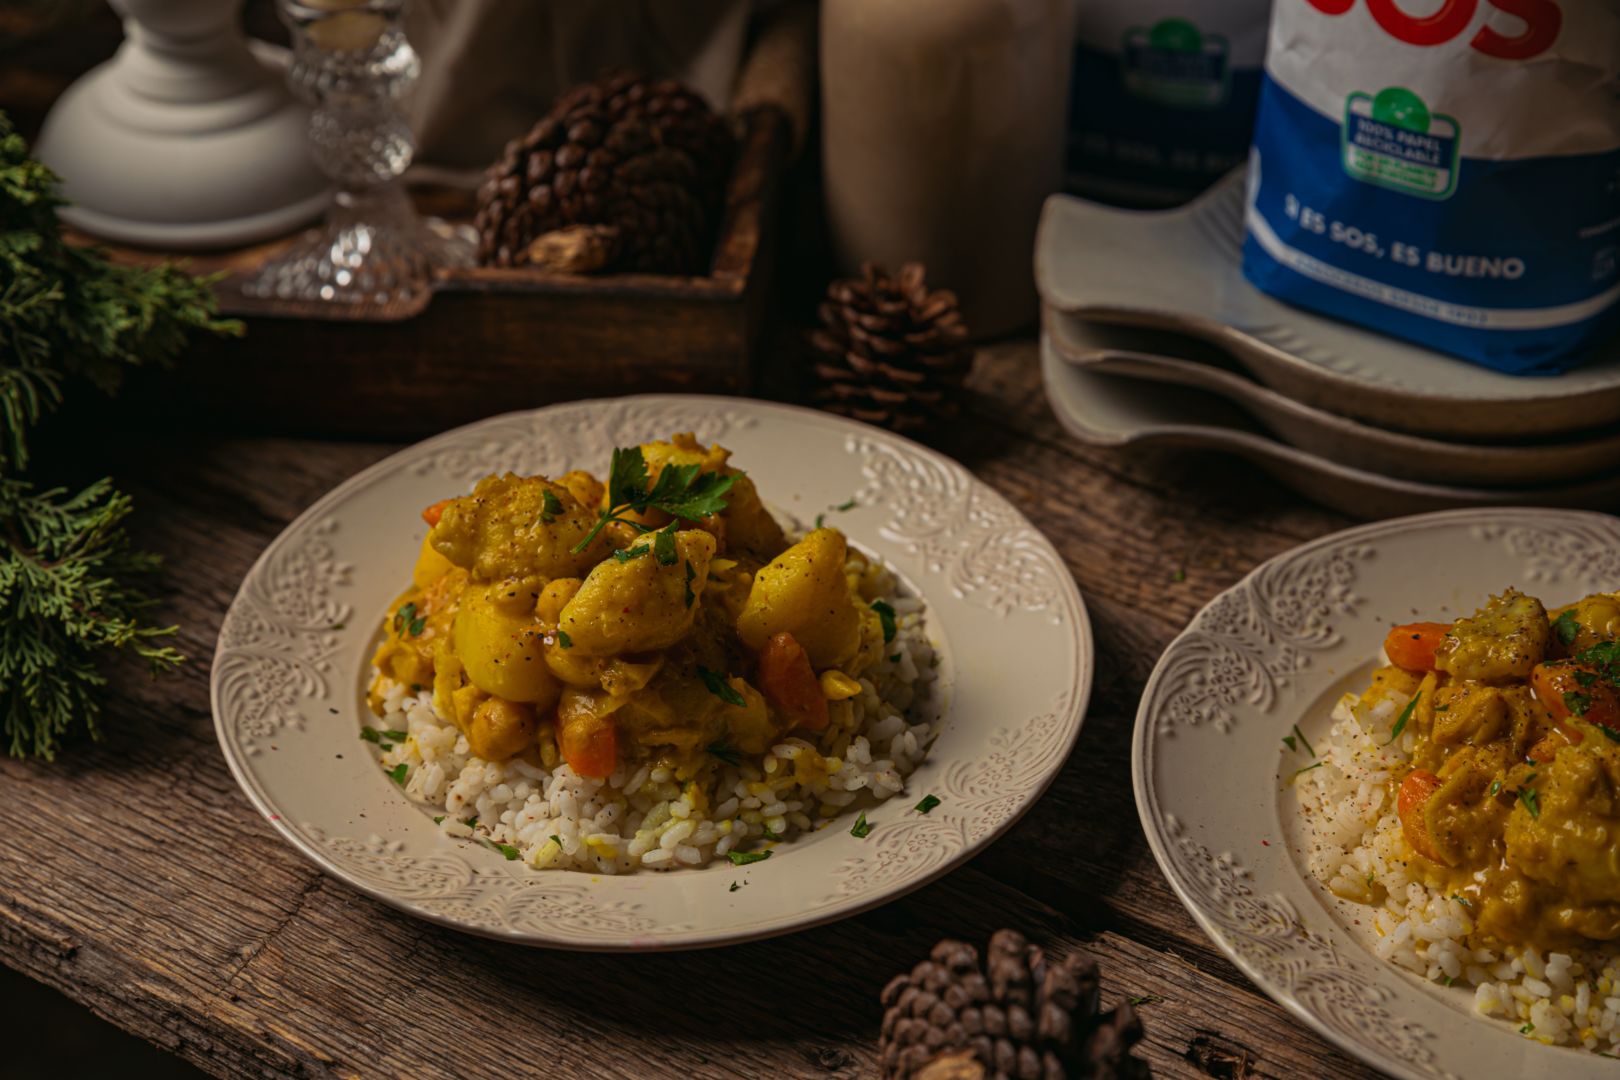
718	686
769	835
1577	703
370	734
631	553
1566	627
511	853
846	505
1448	980
1146	999
1531	800
1180	575
664	546
681	491
886	616
743	858
555	839
398	773
734	887
927	804
1406	714
1608	732
550	506
1585	678
439	820
1496	785
690	595
1309	749
564	640
1527	1029
404	616
820	518
862	828
1288	741
1308	768
724	753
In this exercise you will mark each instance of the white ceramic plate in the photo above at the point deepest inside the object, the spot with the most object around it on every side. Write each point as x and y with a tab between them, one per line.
1181	269
1209	766
1138	353
1105	410
290	673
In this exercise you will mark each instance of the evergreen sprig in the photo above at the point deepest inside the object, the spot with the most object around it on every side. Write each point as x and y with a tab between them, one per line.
65	600
68	314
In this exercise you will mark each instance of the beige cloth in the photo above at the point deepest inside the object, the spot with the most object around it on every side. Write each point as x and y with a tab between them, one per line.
491	68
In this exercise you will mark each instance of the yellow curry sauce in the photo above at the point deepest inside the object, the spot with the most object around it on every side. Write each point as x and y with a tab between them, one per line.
1513	800
655	618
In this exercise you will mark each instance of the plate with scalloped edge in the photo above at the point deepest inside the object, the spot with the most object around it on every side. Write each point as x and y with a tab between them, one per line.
1000	609
1278	649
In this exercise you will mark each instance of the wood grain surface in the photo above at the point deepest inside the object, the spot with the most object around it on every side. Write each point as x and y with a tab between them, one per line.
136	878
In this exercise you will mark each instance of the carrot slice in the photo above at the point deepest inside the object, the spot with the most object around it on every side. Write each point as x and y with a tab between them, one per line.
790	685
433	513
590	745
1568	689
1414	793
1412	646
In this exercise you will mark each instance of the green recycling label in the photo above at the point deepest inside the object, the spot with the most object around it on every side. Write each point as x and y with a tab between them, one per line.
1392	139
1174	63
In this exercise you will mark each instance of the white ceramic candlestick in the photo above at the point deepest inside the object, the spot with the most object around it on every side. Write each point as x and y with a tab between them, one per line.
184	139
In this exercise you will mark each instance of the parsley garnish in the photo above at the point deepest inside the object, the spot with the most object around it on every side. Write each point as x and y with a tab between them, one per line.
886	617
508	850
771	835
555	839
820	518
1146	999
1608	733
632	553
404	617
550	506
370	734
1288	741
1180	575
681	491
398	772
439	820
1307	769
1448	980
564	640
1300	735
690	574
725	753
846	505
927	804
1463	900
1585	678
734	887
1532	801
718	686
862	828
743	858
1566	627
1527	1029
1496	785
1577	703
664	546
1406	714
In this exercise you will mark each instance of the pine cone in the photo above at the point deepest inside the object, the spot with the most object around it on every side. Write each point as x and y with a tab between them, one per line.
1016	1018
891	352
644	161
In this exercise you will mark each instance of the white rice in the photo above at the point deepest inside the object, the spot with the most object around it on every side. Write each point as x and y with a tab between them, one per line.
642	816
1356	850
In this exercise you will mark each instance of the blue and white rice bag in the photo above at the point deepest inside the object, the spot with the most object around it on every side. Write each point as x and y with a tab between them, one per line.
1163	96
1446	171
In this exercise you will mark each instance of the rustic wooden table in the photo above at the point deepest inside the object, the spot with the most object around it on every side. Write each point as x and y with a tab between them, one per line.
137	879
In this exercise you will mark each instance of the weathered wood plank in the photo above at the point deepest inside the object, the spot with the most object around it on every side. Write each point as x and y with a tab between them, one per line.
138	880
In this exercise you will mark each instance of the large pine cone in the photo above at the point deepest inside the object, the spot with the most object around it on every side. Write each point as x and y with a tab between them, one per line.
1017	1018
645	162
891	352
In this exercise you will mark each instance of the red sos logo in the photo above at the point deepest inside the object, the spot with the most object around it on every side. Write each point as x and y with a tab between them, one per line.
1541	18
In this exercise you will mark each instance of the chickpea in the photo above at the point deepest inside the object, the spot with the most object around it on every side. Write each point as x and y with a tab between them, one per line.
501	729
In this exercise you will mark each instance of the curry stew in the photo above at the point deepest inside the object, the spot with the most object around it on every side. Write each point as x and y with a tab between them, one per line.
661	616
1512	802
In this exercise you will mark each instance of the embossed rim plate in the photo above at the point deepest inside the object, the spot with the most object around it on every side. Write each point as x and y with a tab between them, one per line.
289	672
1209	766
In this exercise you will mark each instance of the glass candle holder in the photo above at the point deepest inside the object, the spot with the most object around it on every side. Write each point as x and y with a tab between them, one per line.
353	65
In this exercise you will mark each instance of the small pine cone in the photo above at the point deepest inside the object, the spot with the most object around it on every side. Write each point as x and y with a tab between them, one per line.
890	352
645	159
1018	1017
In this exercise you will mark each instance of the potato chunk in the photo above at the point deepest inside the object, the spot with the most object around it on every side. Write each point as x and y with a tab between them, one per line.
1499	643
500	646
803	592
517	527
639	604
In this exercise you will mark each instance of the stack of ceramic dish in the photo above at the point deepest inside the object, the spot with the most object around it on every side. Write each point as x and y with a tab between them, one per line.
1151	335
